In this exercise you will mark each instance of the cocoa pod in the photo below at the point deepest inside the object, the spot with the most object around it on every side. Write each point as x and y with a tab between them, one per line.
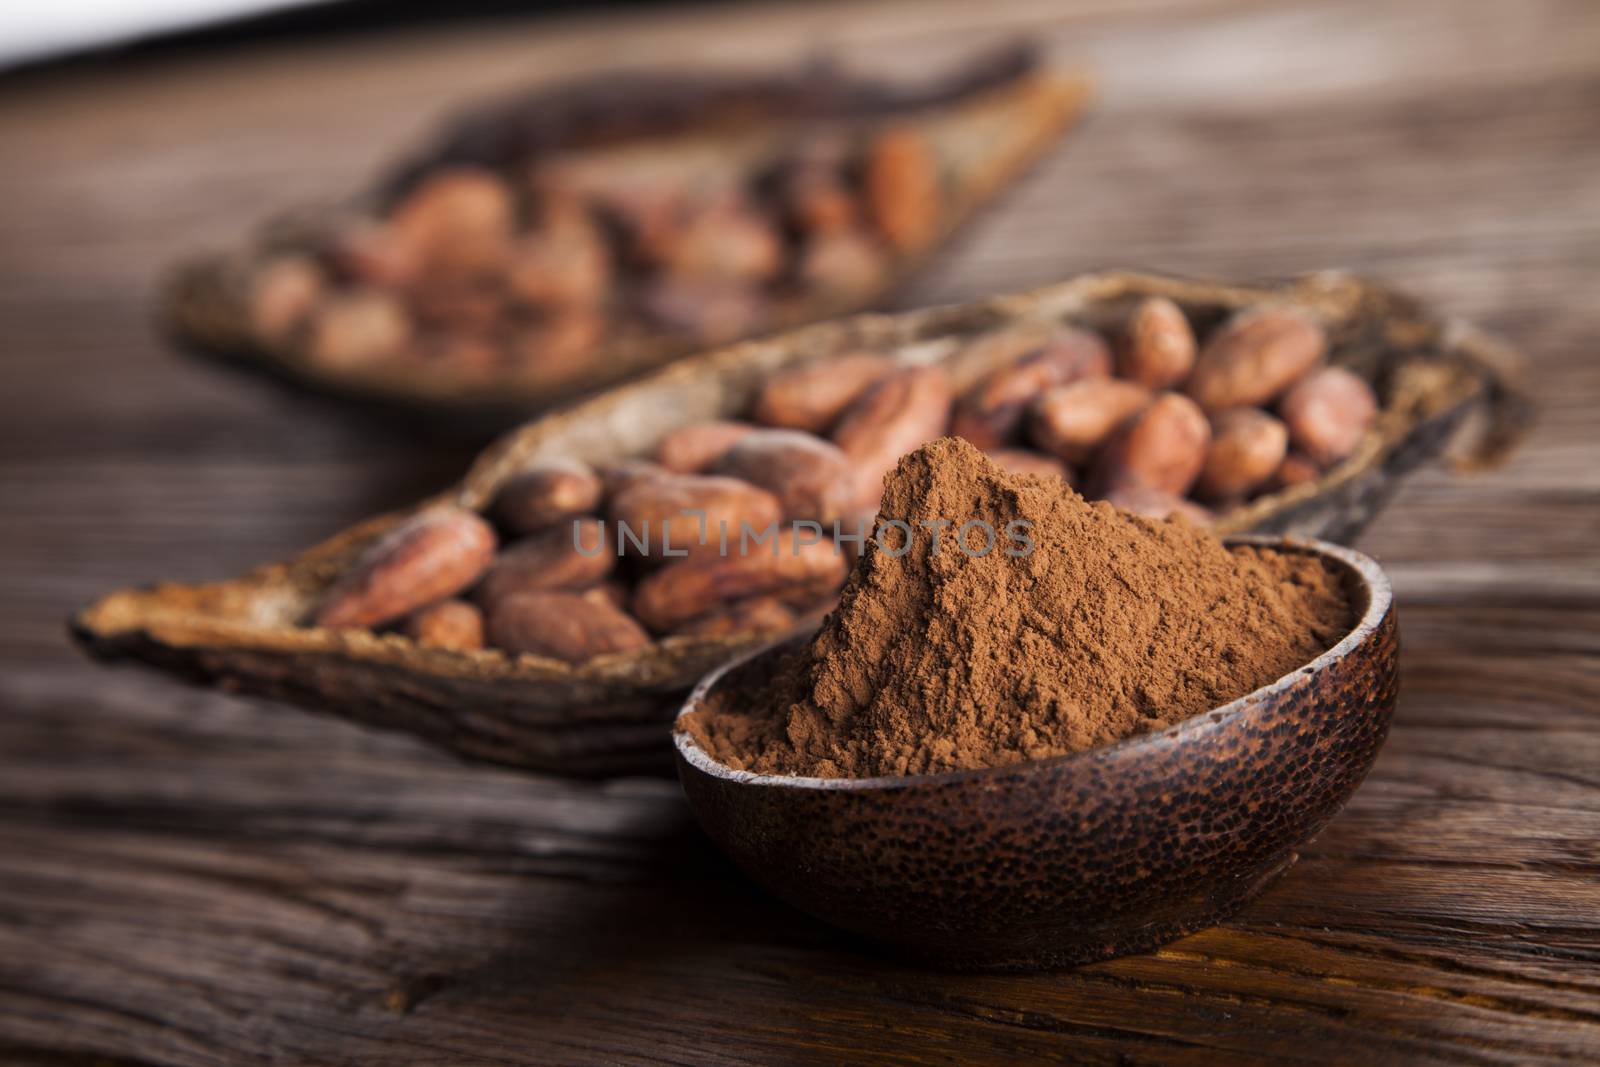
457	221
572	555
896	415
1023	461
813	395
1158	346
564	626
542	496
1155	504
1071	421
903	191
761	614
691	449
991	414
435	554
1247	446
795	570
810	477
1328	412
1255	356
1163	447
454	625
283	295
357	328
674	514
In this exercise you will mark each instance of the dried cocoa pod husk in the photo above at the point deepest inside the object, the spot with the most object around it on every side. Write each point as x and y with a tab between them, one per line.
982	123
811	477
691	449
811	397
549	493
572	555
1433	377
566	626
456	625
433	555
902	411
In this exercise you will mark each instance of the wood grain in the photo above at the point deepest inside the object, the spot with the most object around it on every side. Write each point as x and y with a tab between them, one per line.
191	879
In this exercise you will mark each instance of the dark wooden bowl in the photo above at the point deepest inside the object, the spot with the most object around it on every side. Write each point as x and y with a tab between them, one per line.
1077	858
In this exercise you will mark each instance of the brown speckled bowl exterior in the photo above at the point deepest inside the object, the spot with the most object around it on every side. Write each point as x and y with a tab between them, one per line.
1083	857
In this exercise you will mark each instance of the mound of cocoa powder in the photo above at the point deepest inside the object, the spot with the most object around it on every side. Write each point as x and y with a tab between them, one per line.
942	658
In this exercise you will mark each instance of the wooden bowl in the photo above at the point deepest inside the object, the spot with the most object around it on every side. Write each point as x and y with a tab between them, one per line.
1082	857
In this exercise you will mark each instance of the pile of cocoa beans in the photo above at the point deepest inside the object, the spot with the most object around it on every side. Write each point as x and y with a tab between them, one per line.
573	562
535	273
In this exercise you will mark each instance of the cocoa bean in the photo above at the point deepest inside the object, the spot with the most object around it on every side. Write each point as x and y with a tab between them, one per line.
674	514
706	312
565	261
790	567
901	412
762	614
564	626
432	555
1247	446
727	241
542	496
571	555
454	625
691	449
357	329
813	395
283	296
841	263
1254	357
1071	421
810	477
1328	412
991	414
1163	447
1297	468
1158	346
457	221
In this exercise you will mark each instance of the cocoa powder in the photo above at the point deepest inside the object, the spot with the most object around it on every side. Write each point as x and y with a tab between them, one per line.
942	658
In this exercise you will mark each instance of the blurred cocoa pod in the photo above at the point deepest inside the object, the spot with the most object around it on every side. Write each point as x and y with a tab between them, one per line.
761	614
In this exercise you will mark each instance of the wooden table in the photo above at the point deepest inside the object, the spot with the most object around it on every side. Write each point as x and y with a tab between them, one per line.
187	878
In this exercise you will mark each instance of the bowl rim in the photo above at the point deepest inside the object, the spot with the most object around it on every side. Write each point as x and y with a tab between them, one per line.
1370	576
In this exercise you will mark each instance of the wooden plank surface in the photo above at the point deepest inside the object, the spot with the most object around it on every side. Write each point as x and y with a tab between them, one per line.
187	878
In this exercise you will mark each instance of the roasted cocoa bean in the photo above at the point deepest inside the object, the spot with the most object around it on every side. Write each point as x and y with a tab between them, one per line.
906	409
789	566
1247	446
453	625
1158	346
1254	357
811	477
1072	421
677	514
1328	412
903	187
431	556
1022	461
813	395
691	449
572	555
565	626
544	495
1163	447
